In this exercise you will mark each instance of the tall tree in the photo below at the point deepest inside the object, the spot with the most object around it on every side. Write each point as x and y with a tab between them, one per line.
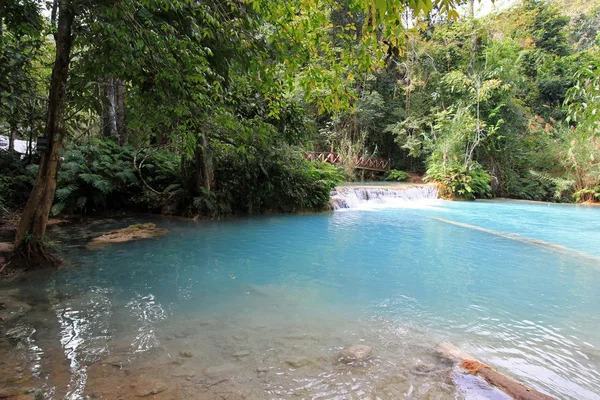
177	58
32	227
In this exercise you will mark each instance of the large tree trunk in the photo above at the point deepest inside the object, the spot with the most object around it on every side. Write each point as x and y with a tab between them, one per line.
120	110
32	228
198	171
113	109
109	109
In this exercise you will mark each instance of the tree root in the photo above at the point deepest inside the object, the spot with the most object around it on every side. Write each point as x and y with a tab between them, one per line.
29	257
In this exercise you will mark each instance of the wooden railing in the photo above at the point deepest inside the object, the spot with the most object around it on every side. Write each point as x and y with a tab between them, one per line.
373	164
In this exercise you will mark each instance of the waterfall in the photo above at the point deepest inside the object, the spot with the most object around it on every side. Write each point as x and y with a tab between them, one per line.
369	198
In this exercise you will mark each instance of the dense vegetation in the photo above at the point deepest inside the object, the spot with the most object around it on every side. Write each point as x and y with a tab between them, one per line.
203	108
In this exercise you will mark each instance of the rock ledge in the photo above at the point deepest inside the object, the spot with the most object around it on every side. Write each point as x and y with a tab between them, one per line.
133	232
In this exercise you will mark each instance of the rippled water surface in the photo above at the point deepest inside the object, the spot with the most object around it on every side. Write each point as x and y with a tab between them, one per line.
259	307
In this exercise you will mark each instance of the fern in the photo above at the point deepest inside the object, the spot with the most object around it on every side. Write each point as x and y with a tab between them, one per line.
561	185
100	175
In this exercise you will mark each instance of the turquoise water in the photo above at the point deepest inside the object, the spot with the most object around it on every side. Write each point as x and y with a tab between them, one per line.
398	279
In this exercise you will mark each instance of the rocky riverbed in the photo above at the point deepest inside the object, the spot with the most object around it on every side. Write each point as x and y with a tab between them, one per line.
210	357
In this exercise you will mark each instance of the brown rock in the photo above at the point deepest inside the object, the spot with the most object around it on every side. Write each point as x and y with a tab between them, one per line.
6	248
133	232
150	390
10	392
355	353
221	371
297	362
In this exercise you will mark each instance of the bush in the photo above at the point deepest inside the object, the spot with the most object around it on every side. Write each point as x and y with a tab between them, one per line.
100	175
458	182
395	175
253	181
95	176
16	180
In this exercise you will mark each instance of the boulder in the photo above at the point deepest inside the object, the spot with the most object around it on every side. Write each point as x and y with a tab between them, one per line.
221	371
133	232
355	353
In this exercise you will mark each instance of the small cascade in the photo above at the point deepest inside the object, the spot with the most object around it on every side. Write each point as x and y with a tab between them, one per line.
370	198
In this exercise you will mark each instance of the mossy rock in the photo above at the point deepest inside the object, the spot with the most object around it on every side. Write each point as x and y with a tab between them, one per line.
133	232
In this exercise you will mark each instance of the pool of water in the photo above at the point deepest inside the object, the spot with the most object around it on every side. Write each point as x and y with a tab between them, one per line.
260	307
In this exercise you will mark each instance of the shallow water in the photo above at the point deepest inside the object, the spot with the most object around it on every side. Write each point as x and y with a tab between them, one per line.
271	300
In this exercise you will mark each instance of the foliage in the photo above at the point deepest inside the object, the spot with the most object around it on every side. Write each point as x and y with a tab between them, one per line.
396	176
23	52
15	180
278	181
327	174
100	175
458	182
584	97
219	97
581	160
94	177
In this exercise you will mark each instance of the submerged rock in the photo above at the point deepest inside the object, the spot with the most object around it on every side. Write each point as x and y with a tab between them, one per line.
133	232
11	307
221	371
355	353
424	369
10	392
151	389
242	353
297	362
186	354
114	361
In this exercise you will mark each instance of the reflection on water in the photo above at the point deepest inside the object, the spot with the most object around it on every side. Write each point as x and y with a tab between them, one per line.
84	335
23	335
260	307
147	313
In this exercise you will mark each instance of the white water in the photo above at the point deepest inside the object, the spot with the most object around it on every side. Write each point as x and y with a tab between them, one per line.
365	198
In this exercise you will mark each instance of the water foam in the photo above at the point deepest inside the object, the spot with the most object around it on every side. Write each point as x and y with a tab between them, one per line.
365	198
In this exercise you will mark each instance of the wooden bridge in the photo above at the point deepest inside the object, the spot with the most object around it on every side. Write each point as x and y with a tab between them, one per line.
364	163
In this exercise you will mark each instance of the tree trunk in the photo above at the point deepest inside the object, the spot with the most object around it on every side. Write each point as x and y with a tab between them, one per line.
35	215
473	36
207	164
29	151
12	136
198	171
109	109
120	110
